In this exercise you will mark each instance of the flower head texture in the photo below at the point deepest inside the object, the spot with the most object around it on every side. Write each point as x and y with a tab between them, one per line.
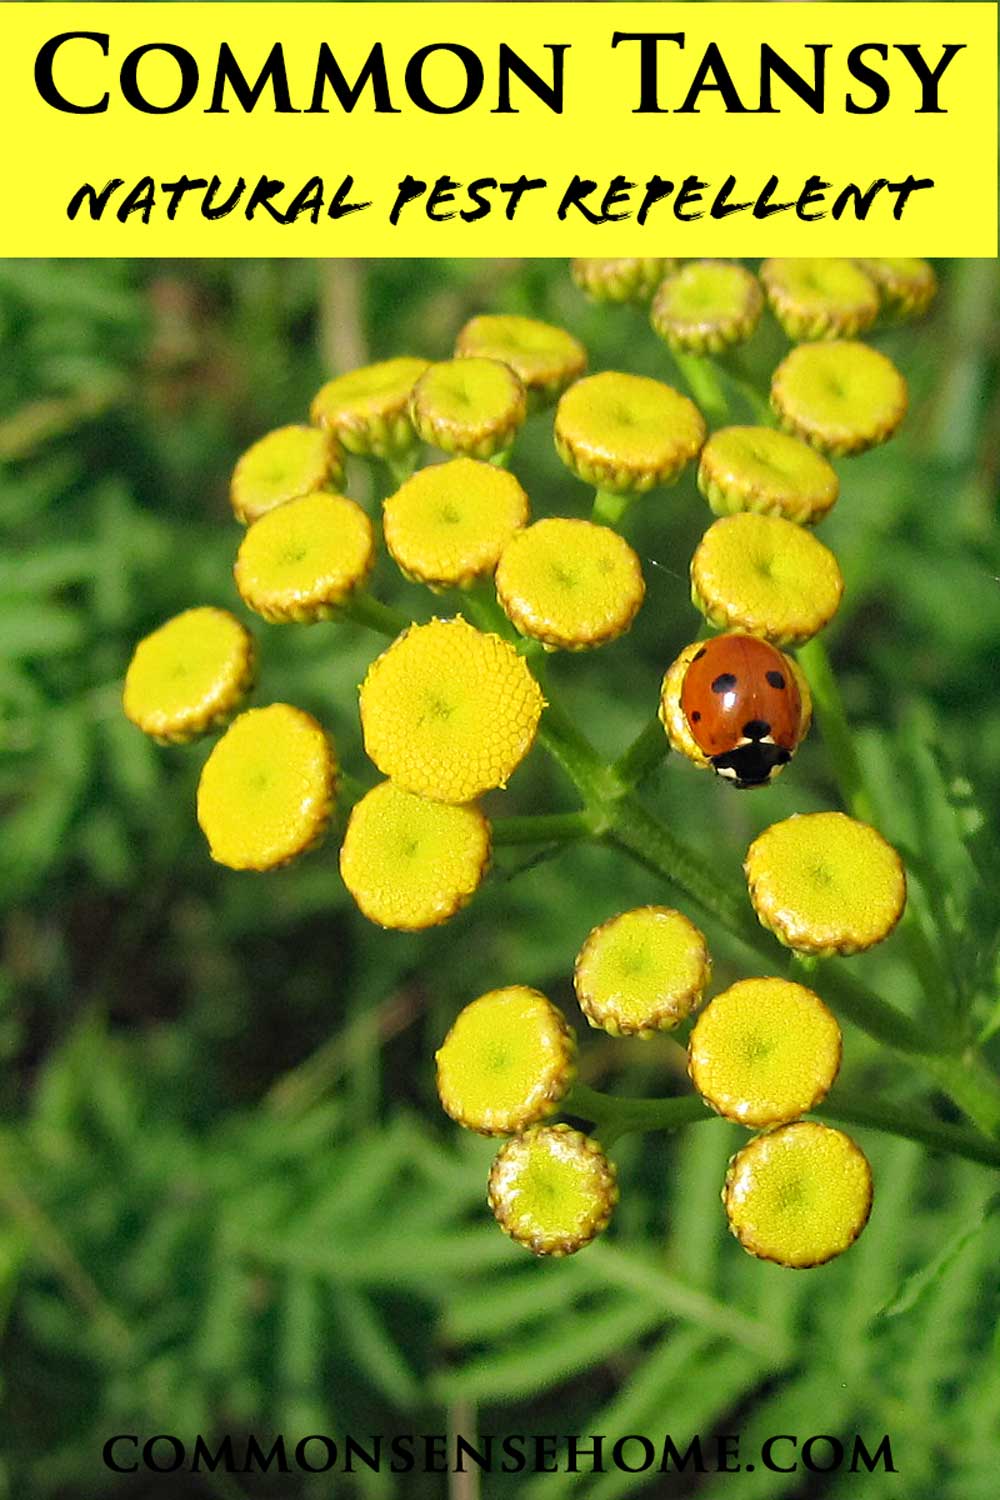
410	863
189	676
368	409
569	583
842	397
707	306
798	1195
472	406
448	523
544	357
820	298
767	577
627	433
628	280
506	1062
825	883
770	473
764	1052
552	1190
908	286
448	711
641	972
285	464
304	561
266	791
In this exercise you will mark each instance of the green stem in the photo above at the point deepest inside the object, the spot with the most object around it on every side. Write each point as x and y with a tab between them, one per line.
363	609
829	709
401	465
702	379
647	751
542	828
738	376
614	1117
609	509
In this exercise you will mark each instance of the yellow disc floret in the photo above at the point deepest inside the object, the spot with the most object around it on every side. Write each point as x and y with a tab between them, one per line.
825	883
674	719
190	675
552	1190
410	863
447	524
768	472
266	791
641	972
472	406
626	433
907	285
707	306
767	577
546	358
285	464
506	1062
448	711
764	1052
842	397
798	1195
816	298
570	583
626	280
368	409
305	560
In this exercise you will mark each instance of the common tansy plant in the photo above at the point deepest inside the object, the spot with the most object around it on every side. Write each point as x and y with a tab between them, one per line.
458	698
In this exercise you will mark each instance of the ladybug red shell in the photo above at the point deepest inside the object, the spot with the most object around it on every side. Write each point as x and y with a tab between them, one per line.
742	702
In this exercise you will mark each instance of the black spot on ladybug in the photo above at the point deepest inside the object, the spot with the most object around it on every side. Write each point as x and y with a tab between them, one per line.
776	679
698	655
695	717
724	683
756	729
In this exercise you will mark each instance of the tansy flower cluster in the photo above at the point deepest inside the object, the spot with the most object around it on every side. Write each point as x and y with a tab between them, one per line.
458	699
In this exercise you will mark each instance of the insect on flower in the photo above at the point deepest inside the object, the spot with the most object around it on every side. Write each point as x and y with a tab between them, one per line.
744	708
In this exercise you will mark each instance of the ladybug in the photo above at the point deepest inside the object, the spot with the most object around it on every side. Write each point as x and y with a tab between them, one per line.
742	702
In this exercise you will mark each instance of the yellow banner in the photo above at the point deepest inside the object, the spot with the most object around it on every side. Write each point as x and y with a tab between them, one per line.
485	129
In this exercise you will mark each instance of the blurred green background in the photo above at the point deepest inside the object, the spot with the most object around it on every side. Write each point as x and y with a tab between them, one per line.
229	1201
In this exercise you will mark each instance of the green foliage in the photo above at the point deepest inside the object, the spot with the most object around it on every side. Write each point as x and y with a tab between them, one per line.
227	1200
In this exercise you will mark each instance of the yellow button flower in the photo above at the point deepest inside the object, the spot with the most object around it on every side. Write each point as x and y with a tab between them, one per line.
798	1195
626	280
285	464
825	883
641	972
190	675
674	719
626	433
368	409
764	1052
472	406
552	1190
908	286
410	863
447	524
569	583
767	577
707	306
305	560
545	358
449	712
506	1062
820	298
266	791
842	397
768	472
